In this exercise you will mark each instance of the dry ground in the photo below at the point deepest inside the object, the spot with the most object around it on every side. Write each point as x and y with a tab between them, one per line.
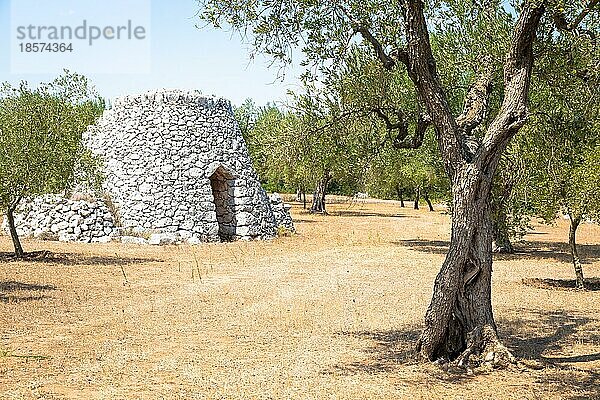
330	313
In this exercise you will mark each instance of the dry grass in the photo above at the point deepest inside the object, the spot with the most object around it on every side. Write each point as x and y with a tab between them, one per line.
330	313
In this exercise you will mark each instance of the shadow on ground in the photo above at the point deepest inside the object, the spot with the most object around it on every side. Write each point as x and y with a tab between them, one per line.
304	221
538	339
48	257
12	292
537	250
544	336
591	284
544	250
425	246
359	213
388	350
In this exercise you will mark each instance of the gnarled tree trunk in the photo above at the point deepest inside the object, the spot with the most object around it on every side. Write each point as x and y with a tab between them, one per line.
459	322
13	232
318	204
575	221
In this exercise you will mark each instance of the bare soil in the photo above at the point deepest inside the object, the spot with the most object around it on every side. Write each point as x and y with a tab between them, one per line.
329	313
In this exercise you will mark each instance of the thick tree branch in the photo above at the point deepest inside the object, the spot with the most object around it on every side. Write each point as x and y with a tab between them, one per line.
402	124
422	71
517	74
476	101
387	61
14	204
403	138
416	140
474	110
401	55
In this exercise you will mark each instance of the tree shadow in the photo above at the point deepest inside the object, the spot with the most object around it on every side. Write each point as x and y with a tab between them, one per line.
583	383
12	286
10	291
553	331
536	250
591	284
388	350
425	246
358	213
70	259
524	338
544	250
304	221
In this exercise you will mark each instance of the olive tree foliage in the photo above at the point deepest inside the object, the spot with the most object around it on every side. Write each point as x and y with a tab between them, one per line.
358	112
327	133
459	322
560	144
245	116
297	148
262	128
409	174
509	202
276	147
41	150
564	71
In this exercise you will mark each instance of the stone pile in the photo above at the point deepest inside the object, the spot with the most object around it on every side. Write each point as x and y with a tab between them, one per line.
57	218
281	211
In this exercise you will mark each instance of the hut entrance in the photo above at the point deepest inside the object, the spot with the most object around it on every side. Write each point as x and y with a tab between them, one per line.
223	203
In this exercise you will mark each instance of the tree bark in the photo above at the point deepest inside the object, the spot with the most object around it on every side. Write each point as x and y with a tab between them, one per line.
426	197
13	232
318	204
417	198
459	322
304	199
575	221
299	195
400	193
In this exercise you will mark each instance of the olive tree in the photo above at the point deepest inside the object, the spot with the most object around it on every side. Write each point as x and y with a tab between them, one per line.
564	134
298	148
404	173
41	150
459	322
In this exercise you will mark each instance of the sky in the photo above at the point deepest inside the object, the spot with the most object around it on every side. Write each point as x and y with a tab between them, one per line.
175	53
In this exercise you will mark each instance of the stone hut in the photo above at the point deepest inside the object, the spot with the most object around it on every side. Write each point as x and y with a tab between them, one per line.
177	164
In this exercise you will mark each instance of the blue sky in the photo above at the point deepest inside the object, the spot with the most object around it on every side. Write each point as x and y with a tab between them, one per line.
180	56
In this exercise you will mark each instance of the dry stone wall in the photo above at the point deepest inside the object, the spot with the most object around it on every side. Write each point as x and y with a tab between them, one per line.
55	217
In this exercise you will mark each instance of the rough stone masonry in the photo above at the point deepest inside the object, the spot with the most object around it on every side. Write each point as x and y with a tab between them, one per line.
176	169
